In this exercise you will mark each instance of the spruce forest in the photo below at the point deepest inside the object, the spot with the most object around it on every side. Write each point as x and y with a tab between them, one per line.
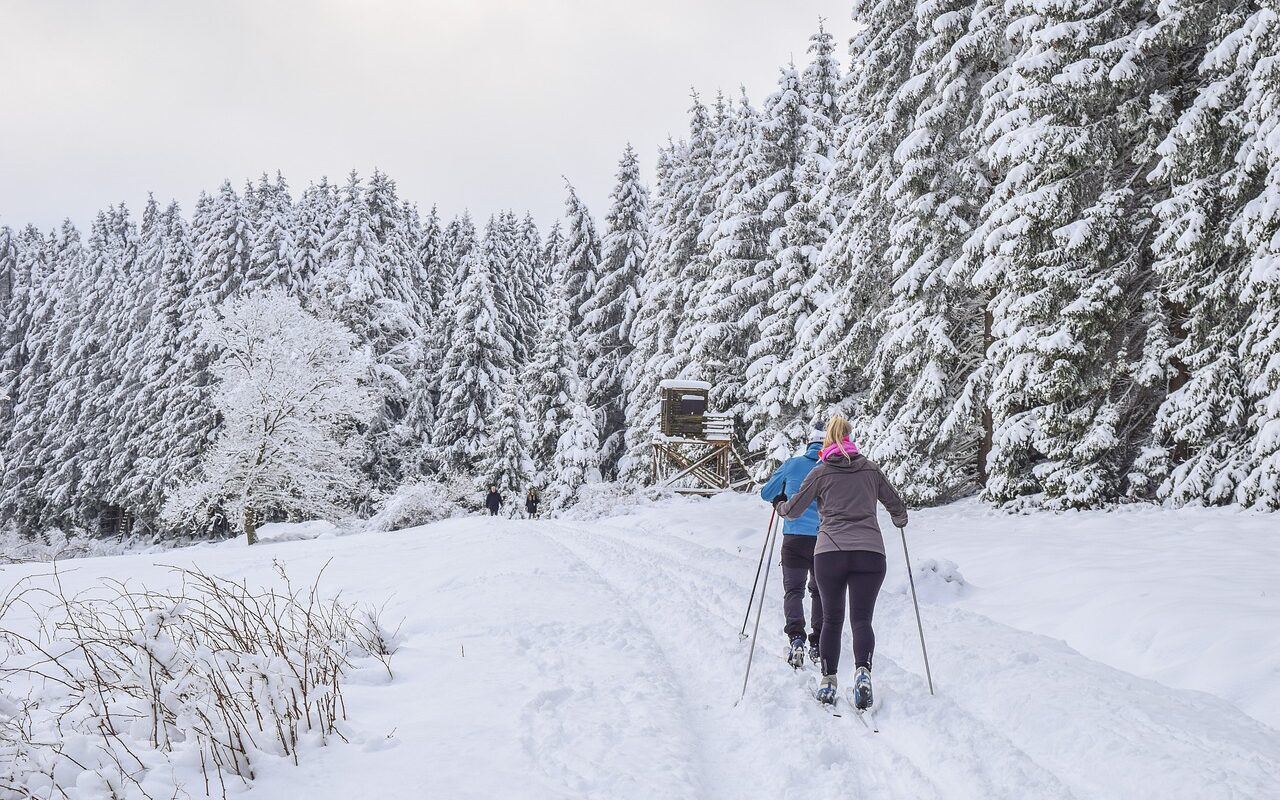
1032	249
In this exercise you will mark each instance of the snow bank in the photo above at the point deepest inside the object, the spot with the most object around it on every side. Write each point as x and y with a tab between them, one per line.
54	545
937	580
421	503
601	500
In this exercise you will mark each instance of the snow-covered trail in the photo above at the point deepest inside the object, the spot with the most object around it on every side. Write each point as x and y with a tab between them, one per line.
601	659
1037	720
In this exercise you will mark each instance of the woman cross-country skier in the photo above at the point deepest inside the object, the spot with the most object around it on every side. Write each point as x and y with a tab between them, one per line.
849	555
531	501
493	501
798	538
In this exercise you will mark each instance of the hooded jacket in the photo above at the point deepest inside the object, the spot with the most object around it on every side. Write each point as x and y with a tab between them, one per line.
847	488
786	480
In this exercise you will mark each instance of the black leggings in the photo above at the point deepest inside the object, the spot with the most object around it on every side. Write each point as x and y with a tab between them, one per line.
860	573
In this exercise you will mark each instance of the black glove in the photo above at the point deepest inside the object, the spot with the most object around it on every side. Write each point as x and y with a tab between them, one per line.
780	499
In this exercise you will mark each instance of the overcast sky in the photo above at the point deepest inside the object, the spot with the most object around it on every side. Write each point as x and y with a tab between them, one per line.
479	104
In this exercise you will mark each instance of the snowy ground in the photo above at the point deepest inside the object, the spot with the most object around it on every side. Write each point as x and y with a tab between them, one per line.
601	659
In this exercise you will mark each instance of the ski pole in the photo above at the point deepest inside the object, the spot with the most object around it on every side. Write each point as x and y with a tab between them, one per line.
773	536
767	533
916	603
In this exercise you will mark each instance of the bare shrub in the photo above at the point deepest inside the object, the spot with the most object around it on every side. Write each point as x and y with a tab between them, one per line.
121	692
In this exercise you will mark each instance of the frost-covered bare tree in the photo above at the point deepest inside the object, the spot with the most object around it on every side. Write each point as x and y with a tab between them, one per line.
290	393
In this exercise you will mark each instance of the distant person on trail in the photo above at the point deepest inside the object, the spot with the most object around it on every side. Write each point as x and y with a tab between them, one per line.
531	501
849	556
493	501
799	536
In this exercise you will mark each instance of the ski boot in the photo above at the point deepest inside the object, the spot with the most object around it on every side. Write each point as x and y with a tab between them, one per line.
795	656
826	693
862	698
813	653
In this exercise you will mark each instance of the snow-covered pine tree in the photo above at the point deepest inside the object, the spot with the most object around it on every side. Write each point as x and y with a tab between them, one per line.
32	307
223	233
1061	246
434	278
1199	436
528	282
350	280
581	256
189	416
552	254
920	423
577	455
1256	228
548	376
459	241
274	259
499	245
102	348
472	372
820	90
610	310
28	271
635	465
725	319
505	462
56	466
8	264
775	423
361	284
166	256
290	392
133	301
312	217
436	316
851	278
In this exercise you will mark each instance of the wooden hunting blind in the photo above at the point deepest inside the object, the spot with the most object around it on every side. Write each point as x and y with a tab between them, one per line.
693	451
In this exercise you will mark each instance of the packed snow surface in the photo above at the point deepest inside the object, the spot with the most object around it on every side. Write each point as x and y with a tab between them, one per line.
1091	655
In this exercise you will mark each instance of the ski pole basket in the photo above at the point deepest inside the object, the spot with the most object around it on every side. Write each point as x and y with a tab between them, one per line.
694	451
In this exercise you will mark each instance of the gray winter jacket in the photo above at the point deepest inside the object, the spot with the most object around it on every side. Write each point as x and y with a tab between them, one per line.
847	489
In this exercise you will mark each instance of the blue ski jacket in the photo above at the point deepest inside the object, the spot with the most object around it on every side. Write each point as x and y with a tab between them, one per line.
787	479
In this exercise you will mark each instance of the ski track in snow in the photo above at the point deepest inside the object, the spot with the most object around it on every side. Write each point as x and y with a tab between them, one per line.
1042	720
887	762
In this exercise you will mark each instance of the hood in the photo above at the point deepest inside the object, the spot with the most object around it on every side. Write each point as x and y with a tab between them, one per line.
854	463
812	451
844	447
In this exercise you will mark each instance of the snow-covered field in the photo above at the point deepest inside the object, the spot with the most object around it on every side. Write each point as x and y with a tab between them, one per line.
1129	654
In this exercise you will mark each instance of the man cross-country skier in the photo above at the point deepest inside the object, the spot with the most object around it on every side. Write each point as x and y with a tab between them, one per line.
798	538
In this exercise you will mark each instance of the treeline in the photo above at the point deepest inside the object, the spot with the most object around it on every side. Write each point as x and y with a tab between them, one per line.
1031	249
478	362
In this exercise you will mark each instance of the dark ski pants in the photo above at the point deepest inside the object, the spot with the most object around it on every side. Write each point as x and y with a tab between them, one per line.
797	571
859	573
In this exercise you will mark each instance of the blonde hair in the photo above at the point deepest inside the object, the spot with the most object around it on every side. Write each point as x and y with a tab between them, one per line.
838	429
